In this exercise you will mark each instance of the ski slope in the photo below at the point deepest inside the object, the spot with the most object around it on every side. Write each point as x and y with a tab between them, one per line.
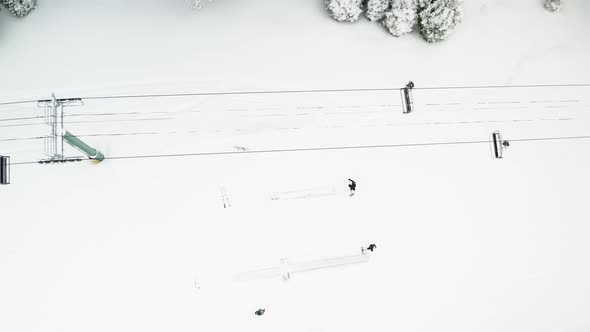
464	242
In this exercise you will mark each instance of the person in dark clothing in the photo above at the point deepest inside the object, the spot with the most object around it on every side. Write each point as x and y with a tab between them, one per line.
370	248
259	312
352	185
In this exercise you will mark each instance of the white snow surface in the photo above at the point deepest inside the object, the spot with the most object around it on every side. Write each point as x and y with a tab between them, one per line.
464	242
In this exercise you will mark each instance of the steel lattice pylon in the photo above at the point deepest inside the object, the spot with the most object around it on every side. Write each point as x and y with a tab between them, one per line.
54	143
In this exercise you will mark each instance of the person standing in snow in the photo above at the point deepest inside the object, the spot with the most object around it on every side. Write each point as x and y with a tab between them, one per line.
370	248
352	186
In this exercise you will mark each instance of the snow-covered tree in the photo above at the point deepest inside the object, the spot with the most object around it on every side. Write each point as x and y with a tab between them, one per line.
553	5
401	17
19	8
198	4
344	10
376	9
438	18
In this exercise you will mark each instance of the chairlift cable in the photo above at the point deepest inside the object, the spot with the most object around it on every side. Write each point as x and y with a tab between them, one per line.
260	92
333	148
192	132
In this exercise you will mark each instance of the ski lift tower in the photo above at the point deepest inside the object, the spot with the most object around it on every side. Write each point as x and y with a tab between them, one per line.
54	143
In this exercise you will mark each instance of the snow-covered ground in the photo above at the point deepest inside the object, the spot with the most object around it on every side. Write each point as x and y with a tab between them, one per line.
464	242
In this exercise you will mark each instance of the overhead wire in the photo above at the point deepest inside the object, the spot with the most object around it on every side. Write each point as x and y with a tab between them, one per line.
504	86
381	108
23	118
87	121
192	132
17	102
277	92
20	139
251	93
302	91
324	148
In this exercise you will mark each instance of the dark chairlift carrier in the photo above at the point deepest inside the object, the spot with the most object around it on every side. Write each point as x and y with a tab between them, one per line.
407	102
4	170
498	145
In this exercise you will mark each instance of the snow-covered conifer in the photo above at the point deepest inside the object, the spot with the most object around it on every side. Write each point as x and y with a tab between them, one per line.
438	18
198	4
553	5
376	9
344	10
401	17
19	8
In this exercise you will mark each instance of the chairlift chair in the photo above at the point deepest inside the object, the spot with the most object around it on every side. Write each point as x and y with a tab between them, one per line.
498	145
407	101
4	170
